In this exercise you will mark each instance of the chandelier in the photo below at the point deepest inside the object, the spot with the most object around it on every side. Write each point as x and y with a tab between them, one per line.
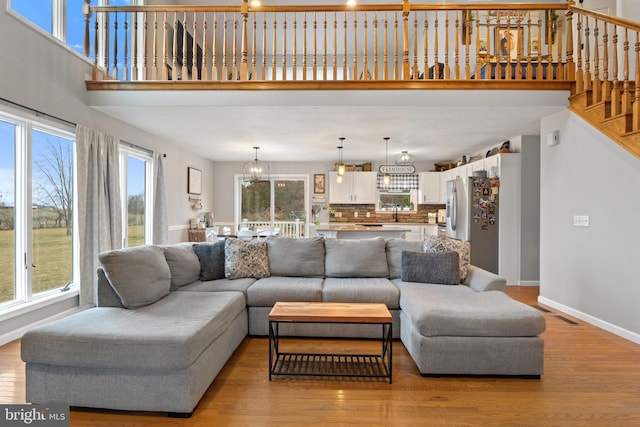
404	158
253	171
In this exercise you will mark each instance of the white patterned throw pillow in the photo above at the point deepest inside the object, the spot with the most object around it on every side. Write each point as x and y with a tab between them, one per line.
439	244
245	259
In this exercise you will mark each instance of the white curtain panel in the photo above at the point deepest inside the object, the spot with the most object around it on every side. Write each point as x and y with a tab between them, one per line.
160	221
99	209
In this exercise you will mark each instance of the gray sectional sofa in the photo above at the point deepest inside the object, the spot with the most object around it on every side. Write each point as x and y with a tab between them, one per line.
169	317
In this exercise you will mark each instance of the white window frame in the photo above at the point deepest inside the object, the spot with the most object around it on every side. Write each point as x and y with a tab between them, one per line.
413	194
127	151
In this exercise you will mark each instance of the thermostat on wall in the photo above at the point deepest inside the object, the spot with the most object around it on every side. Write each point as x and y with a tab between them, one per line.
553	138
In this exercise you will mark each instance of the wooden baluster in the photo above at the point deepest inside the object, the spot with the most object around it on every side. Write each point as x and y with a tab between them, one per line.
446	47
415	73
134	68
225	73
145	54
478	57
254	49
107	47
174	65
539	54
304	48
125	63
344	56
626	91
284	46
234	49
165	48
335	46
96	28
355	45
375	47
194	49
396	72
205	47
86	11
184	72
456	50
467	57
499	36
616	101
244	48
365	47
295	46
579	77
530	45
274	49
324	48
587	58
596	84
406	67
154	48
314	73
635	117
570	68
436	48
606	82
426	44
559	68
214	49
114	70
264	46
385	59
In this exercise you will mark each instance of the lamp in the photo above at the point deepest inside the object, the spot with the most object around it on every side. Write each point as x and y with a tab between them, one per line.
340	165
252	171
404	158
386	180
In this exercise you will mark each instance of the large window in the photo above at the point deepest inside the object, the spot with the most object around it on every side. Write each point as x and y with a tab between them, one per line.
36	209
135	168
279	204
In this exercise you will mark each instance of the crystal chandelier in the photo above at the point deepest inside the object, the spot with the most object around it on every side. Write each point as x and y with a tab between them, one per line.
404	158
252	171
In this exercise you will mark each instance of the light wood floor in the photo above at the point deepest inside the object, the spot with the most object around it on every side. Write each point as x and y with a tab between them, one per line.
592	378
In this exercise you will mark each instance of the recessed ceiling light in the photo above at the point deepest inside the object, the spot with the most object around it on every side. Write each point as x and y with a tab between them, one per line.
351	2
255	3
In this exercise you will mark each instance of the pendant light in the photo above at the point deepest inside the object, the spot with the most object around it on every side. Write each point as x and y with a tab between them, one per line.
404	158
340	165
386	179
252	171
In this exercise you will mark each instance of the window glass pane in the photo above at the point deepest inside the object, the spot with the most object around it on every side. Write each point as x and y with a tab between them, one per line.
401	201
37	11
135	201
7	211
52	211
289	201
256	201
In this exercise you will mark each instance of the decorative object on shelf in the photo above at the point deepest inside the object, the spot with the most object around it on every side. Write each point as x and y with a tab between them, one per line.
318	183
340	166
404	158
194	181
505	147
253	171
196	203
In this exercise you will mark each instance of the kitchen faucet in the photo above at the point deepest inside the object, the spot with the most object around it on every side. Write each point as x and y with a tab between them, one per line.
395	212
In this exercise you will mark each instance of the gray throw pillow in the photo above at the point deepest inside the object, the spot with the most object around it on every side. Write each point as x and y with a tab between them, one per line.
438	268
183	263
245	259
296	257
436	244
140	275
211	257
355	258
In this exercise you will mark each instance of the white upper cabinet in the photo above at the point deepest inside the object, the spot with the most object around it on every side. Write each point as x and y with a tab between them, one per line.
429	192
355	188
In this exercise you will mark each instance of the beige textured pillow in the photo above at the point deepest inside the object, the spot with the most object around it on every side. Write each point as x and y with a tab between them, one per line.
245	259
439	244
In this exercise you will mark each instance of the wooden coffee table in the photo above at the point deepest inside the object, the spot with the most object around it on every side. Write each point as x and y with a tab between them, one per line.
322	364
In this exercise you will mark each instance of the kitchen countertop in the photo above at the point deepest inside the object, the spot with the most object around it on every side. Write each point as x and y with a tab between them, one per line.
359	227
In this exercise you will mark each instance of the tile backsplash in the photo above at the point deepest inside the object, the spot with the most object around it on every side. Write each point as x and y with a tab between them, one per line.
358	213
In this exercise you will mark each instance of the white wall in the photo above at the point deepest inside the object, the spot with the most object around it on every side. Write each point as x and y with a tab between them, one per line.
590	272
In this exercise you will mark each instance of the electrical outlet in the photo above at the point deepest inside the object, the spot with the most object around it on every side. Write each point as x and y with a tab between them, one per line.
581	220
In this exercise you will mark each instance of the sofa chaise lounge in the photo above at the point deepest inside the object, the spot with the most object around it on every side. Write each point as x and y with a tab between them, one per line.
169	317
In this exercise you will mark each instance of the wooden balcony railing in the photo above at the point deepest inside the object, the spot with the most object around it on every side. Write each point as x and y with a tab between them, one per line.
327	43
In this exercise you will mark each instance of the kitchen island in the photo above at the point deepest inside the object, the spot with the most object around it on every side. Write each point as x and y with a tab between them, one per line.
357	231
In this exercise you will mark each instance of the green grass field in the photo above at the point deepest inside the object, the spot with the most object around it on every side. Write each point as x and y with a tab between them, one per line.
52	257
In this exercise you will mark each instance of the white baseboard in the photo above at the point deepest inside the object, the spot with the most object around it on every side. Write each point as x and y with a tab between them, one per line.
18	333
621	332
529	283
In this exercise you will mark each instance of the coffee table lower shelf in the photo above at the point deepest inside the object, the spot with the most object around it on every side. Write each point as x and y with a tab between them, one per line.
341	365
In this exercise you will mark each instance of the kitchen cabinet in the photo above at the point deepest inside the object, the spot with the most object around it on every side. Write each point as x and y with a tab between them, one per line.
429	230
429	192
355	188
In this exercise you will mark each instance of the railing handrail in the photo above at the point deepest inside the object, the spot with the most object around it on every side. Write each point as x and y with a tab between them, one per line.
622	22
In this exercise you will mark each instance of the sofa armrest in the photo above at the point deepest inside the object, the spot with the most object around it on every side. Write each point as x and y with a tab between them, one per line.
481	280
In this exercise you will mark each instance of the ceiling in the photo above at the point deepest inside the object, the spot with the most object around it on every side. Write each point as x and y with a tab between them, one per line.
433	125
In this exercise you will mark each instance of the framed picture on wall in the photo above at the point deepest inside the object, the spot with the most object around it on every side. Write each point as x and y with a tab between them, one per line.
194	181
318	183
508	43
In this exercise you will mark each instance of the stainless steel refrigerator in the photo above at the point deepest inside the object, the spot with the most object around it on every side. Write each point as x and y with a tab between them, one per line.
472	215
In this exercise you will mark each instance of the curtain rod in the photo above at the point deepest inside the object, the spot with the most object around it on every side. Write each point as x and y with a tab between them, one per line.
137	147
41	113
37	112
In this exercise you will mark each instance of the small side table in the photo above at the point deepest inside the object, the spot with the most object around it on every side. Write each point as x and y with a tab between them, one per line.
197	235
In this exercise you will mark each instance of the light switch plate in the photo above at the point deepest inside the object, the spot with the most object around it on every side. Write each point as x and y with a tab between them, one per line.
581	220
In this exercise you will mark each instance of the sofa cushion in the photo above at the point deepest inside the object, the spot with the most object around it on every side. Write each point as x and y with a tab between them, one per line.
296	257
211	257
170	334
355	258
245	259
183	264
139	275
437	310
436	244
220	285
362	290
265	292
440	268
394	248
